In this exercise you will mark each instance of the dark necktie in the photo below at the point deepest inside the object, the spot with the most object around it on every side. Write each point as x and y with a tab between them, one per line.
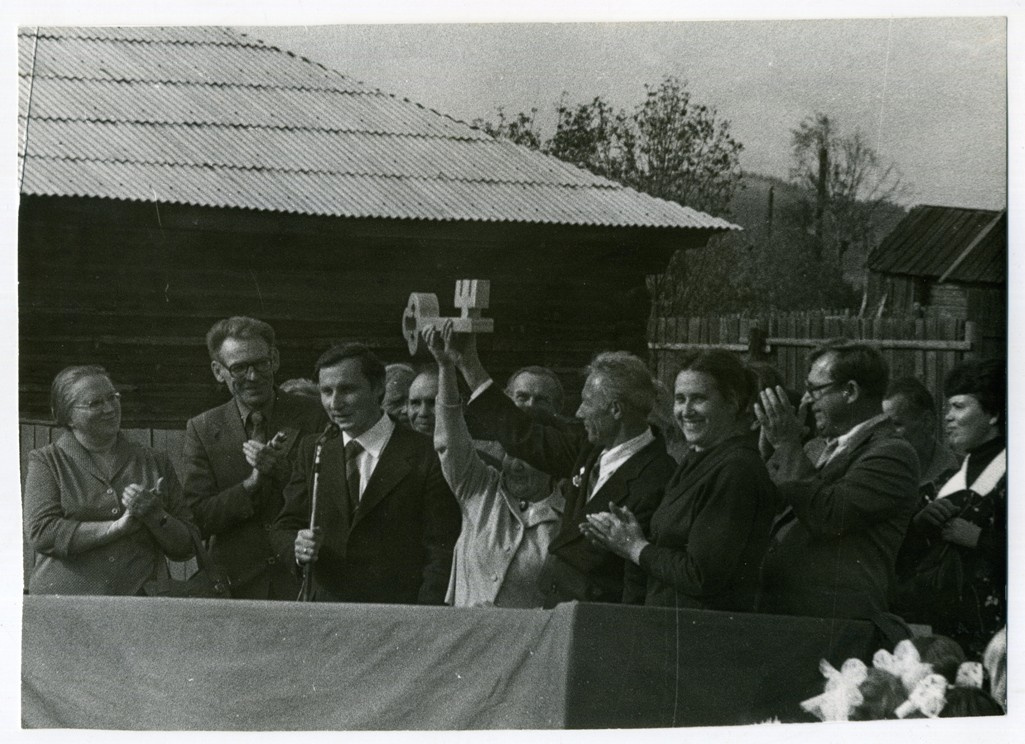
258	427
352	452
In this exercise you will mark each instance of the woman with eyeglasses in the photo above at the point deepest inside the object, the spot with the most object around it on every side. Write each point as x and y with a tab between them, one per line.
101	512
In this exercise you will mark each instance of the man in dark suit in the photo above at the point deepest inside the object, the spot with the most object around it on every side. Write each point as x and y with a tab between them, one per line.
844	516
237	458
614	458
386	522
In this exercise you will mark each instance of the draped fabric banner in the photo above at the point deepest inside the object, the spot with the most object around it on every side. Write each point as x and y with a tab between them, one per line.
192	664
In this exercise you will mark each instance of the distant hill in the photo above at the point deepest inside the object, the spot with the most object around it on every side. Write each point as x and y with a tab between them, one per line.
750	210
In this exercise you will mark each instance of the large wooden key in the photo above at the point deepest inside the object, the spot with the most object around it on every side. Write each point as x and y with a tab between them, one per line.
422	311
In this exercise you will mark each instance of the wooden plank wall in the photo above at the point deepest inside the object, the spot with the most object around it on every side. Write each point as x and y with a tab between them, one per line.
136	290
35	434
929	364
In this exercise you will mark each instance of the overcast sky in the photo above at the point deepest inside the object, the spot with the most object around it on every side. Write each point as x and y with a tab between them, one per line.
929	93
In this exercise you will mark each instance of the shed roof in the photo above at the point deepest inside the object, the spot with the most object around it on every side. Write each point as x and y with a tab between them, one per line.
212	117
948	243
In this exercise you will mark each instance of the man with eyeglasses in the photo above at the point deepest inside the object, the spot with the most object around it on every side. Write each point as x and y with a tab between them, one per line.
844	515
237	458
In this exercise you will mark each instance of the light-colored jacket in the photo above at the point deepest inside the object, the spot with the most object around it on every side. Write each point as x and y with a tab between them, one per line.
501	549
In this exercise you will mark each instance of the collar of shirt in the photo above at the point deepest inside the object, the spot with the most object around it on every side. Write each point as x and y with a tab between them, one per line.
374	439
613	459
267	410
857	434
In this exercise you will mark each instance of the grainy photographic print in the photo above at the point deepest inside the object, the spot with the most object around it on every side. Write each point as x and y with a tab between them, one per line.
537	376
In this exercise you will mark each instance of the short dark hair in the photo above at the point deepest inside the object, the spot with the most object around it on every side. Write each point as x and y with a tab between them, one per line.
912	390
238	326
369	363
985	380
548	374
626	379
733	379
858	362
60	390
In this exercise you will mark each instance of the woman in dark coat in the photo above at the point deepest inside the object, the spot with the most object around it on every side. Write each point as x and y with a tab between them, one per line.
711	529
958	584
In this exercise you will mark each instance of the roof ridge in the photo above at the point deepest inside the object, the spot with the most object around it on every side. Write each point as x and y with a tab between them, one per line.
360	82
46	32
354	174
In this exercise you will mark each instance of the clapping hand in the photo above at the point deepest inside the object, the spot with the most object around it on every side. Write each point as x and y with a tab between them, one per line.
266	458
616	530
779	423
141	502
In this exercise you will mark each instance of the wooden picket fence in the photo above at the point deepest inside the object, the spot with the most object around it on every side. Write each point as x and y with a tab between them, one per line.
34	434
924	348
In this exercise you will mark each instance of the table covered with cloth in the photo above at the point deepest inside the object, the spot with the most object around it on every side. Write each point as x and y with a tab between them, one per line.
195	664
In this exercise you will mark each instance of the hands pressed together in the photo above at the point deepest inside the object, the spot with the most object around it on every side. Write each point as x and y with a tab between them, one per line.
267	459
778	421
616	530
142	503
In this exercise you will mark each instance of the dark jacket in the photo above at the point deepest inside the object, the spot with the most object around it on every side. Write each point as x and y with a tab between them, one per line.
398	547
836	543
575	569
710	532
236	523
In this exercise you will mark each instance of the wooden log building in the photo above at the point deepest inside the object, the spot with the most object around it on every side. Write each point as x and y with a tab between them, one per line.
945	263
173	176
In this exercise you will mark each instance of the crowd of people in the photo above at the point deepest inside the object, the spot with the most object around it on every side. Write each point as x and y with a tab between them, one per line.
388	484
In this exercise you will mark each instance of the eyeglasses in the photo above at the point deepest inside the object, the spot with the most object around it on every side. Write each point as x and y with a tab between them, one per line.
240	370
815	392
96	404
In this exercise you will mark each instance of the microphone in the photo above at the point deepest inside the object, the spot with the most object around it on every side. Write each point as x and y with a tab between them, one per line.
330	432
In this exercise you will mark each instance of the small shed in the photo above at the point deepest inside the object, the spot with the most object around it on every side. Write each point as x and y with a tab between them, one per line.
945	262
173	176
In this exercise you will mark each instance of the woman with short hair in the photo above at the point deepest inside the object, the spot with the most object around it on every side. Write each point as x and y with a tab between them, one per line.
710	531
959	582
100	511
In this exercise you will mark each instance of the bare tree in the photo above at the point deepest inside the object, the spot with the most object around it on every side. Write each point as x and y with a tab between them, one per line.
849	182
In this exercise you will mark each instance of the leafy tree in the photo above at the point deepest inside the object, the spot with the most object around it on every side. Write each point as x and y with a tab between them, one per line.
596	137
683	151
670	146
521	129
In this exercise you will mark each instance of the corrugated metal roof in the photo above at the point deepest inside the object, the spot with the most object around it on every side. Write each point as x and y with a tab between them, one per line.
965	245
363	195
211	117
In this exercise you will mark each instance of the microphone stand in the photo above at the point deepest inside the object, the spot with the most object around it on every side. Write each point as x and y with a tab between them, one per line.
332	431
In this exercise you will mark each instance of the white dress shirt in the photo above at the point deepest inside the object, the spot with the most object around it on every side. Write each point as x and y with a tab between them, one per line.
373	441
613	459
